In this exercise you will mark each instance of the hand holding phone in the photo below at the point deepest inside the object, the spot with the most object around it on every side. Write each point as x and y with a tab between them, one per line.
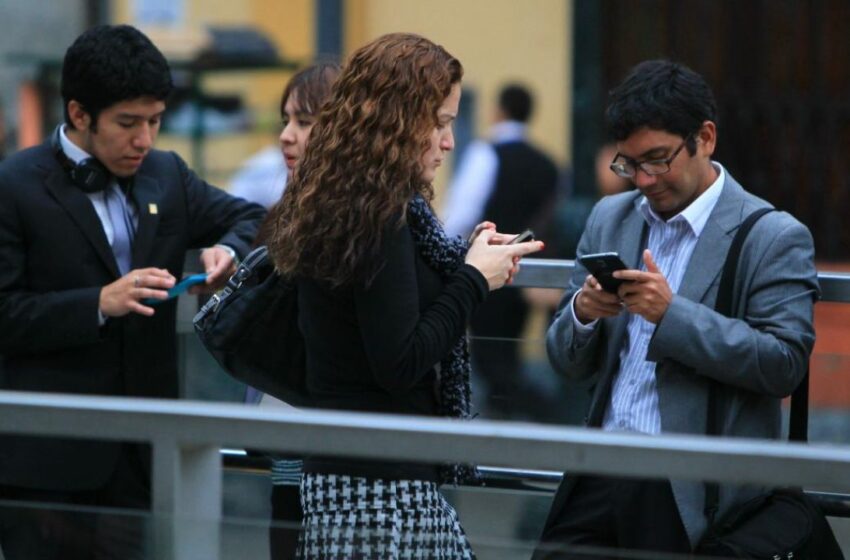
179	288
527	235
602	266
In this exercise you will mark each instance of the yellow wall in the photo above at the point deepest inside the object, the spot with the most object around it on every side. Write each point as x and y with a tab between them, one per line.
497	41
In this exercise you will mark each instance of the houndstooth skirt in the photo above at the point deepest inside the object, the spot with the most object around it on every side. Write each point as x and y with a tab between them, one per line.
354	518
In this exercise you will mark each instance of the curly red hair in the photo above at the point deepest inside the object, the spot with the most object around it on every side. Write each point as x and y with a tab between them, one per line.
362	164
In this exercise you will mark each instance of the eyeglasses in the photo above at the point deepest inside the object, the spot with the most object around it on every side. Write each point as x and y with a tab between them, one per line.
627	167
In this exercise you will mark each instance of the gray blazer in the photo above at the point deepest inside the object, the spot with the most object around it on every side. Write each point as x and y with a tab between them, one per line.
759	356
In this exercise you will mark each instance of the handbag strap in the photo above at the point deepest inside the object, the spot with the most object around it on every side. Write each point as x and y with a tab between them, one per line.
799	399
246	268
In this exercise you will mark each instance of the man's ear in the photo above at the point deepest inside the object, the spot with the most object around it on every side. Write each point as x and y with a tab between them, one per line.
80	118
707	138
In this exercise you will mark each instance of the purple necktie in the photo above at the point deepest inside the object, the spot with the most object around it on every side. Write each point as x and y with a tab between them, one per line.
122	229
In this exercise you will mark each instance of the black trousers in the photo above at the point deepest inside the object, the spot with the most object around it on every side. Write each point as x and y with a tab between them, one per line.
286	521
111	522
495	351
604	514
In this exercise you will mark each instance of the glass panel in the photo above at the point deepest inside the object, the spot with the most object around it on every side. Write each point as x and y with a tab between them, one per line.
829	389
44	530
201	378
511	375
499	525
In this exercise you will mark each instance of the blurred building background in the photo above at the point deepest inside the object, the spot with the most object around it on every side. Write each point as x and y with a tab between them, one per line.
780	69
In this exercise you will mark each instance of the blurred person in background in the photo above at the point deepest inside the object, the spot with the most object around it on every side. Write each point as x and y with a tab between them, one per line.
261	178
512	184
93	223
384	296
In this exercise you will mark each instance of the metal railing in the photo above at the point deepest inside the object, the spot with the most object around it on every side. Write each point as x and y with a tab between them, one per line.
547	273
187	438
551	273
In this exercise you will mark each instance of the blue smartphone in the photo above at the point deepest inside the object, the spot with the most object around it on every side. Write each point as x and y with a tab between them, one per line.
179	288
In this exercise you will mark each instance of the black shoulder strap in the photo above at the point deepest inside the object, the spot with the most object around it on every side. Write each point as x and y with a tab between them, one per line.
725	294
725	299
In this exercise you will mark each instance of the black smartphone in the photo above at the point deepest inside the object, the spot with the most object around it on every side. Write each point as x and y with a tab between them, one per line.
527	235
602	265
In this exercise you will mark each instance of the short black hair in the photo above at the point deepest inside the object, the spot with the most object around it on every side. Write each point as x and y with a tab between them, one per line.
109	64
661	95
516	102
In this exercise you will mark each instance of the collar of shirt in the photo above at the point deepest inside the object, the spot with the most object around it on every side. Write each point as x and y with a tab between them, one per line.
74	152
507	131
697	213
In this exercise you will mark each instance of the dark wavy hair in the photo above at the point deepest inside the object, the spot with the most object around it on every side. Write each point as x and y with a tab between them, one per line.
109	64
362	164
661	95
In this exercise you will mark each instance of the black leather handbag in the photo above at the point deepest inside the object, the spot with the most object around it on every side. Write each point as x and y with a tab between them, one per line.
251	329
784	523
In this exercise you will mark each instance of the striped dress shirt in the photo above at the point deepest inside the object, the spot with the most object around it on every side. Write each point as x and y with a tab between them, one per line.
634	398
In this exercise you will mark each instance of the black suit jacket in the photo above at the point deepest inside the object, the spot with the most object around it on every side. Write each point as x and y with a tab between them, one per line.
54	260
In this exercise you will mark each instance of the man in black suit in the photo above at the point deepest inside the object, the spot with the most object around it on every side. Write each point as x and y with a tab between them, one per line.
93	224
510	182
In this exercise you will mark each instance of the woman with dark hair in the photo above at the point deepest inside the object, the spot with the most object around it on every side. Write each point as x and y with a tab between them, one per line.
300	102
263	177
383	295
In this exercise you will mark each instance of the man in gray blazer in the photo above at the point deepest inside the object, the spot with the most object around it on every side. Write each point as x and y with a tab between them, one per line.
656	344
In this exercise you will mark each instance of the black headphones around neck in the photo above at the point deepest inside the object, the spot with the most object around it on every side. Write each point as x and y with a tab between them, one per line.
89	175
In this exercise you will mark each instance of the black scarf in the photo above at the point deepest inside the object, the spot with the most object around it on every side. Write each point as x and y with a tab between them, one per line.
445	255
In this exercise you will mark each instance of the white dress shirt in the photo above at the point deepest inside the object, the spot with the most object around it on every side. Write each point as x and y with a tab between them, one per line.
262	178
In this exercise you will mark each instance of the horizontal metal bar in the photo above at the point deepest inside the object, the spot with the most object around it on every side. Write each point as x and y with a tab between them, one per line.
427	440
543	273
552	273
835	286
527	481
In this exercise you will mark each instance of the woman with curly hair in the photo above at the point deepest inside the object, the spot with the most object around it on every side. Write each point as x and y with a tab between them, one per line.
384	296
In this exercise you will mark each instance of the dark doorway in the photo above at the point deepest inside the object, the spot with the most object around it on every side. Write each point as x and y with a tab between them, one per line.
781	72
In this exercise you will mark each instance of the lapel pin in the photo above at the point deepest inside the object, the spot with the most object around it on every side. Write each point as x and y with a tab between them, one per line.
152	209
